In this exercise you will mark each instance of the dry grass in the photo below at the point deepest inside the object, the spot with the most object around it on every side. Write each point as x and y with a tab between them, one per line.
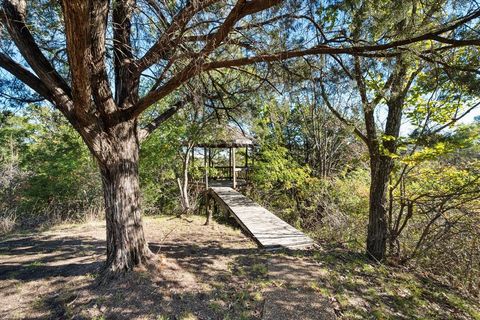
8	221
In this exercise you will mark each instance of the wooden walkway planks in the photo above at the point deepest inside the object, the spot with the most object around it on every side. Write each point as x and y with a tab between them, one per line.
267	229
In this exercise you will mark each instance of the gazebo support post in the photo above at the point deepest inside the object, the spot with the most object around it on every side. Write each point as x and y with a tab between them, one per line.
230	176
233	169
205	162
253	157
246	163
210	161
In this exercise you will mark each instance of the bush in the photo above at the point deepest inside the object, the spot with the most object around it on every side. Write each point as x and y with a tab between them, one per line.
331	209
47	172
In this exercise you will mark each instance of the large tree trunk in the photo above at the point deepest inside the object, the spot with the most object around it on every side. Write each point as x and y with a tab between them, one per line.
381	164
126	245
381	167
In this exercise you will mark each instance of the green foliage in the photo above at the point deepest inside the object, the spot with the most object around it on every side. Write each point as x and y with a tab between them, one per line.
276	169
282	184
162	160
63	171
335	209
159	164
57	174
440	182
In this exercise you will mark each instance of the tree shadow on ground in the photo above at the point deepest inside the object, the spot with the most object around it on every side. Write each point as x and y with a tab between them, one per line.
35	258
212	278
193	286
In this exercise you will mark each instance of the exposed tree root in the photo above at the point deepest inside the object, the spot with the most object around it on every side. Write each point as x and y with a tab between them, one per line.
151	263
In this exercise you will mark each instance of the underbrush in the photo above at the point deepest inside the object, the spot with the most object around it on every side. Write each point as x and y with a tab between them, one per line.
8	221
331	210
335	211
42	217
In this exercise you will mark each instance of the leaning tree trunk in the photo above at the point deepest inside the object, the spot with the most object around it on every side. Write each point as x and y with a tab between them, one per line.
126	245
183	183
381	167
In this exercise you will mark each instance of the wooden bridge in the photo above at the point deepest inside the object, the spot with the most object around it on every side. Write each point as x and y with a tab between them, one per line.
267	229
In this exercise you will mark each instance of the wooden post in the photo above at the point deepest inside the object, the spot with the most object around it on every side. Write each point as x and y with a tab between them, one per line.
253	157
233	169
246	163
205	162
207	207
231	163
210	161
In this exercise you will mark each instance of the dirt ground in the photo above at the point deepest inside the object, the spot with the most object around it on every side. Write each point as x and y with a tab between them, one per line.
208	272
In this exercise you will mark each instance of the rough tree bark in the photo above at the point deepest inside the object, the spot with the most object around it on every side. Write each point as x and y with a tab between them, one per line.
126	245
380	169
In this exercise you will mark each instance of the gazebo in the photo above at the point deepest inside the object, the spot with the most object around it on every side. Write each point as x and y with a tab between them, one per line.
238	146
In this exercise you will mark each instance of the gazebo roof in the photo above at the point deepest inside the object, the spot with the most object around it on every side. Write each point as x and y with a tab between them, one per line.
226	137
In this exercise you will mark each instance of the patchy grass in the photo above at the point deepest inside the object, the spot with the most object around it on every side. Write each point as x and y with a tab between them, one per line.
363	290
207	272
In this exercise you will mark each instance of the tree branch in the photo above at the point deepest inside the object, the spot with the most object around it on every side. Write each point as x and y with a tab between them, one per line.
101	92
14	16
143	133
242	8
165	43
353	50
455	119
457	43
126	81
25	76
339	116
